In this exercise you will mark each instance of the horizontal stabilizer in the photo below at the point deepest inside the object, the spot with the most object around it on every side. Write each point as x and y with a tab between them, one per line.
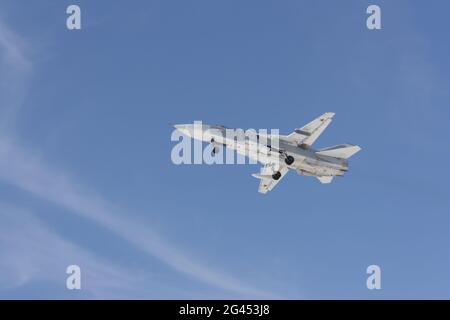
342	151
325	179
262	176
267	180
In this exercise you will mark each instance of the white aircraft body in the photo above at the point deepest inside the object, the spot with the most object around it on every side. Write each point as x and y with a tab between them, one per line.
290	152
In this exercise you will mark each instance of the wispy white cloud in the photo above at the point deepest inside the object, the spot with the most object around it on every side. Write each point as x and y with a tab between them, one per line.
24	169
14	48
31	252
15	69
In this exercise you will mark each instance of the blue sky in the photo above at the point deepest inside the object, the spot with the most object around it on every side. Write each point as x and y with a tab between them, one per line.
85	170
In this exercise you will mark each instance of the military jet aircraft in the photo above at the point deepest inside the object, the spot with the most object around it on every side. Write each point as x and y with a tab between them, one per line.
291	151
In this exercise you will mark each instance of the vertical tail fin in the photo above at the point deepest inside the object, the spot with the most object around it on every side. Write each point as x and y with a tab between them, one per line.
309	133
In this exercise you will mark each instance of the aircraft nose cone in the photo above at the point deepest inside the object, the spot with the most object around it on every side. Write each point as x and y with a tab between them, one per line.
184	128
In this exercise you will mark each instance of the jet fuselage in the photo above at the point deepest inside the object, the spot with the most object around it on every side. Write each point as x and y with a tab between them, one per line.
306	161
